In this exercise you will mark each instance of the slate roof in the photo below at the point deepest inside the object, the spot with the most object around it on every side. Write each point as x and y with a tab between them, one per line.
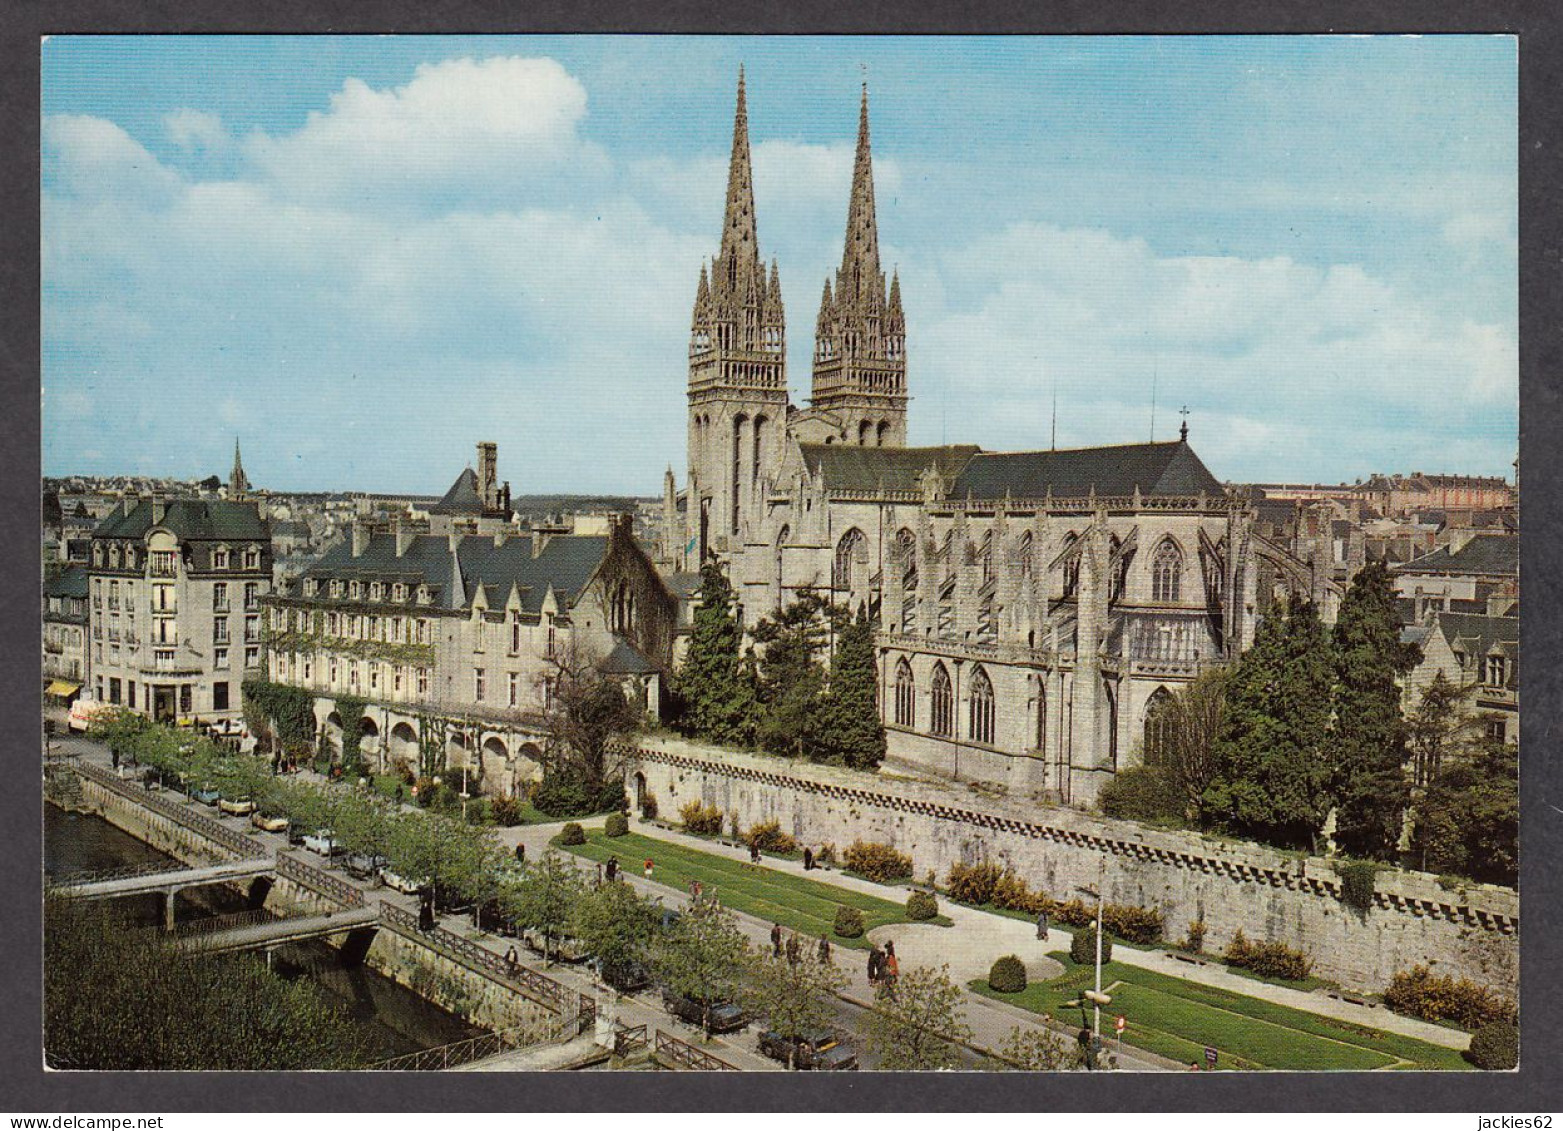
566	563
1477	635
624	659
847	468
1156	469
463	497
190	520
69	582
1483	554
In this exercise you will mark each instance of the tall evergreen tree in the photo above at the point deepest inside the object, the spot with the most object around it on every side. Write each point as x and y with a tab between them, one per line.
719	698
792	677
1271	777
1368	736
854	735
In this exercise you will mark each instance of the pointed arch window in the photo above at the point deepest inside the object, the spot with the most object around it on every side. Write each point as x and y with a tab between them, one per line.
985	557
850	551
905	695
942	703
980	708
1024	553
1159	727
1041	712
1071	566
1167	572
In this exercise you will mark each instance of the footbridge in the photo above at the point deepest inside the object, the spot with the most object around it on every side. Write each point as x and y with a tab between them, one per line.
275	932
167	882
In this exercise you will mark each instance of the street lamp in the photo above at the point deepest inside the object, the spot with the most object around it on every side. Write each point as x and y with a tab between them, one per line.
1096	997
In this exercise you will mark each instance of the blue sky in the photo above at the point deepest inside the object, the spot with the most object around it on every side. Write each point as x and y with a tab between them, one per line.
364	254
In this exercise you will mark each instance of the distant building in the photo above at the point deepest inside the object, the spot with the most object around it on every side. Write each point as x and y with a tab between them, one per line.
1464	577
1477	652
175	614
65	668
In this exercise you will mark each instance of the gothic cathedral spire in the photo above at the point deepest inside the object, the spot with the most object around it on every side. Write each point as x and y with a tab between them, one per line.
238	483
859	352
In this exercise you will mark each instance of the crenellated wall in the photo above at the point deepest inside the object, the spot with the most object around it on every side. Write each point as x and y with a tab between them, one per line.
1470	932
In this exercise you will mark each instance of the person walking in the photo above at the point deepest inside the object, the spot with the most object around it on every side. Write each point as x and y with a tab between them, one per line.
794	951
754	852
613	868
824	948
776	941
511	959
648	867
890	969
808	859
874	958
1042	927
520	853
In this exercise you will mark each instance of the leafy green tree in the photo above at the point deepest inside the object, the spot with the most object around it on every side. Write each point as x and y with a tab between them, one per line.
854	735
543	898
704	957
587	712
1271	778
917	1026
792	678
1037	1050
797	998
712	683
1368	735
1467	821
1439	725
615	924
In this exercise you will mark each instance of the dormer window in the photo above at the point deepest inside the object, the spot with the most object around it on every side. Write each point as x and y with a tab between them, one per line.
114	557
399	592
336	587
376	591
423	595
220	558
354	590
252	558
1496	672
97	554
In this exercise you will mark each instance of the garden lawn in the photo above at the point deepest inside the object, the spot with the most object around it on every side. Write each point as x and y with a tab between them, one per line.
1179	1019
806	906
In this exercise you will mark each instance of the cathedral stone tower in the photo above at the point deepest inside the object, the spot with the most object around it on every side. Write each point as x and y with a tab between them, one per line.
737	371
860	339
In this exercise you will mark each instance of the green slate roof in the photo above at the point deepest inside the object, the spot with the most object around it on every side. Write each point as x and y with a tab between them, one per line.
190	520
847	468
69	582
462	498
1155	469
1485	554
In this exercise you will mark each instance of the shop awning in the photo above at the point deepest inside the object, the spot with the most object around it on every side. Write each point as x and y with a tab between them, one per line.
63	688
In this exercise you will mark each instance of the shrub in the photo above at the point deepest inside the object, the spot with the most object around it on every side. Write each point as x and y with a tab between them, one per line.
767	836
1143	793
701	818
1419	992
561	796
1356	885
1082	948
1011	893
506	811
921	905
878	862
973	883
479	812
826	855
1074	914
1267	959
616	825
849	922
1194	941
648	807
424	789
1008	975
1495	1047
1133	924
572	833
611	798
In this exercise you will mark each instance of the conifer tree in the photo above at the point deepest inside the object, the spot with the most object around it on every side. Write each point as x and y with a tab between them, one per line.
1271	777
792	678
719	699
1369	733
854	735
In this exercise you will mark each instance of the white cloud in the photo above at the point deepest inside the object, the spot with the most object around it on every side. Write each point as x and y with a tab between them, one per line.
196	130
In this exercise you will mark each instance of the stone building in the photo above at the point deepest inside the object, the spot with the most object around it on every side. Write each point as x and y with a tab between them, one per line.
1477	652
175	610
452	641
1033	607
65	668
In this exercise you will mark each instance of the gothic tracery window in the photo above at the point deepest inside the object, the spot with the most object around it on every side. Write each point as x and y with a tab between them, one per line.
981	708
905	695
1158	727
1167	572
942	704
852	547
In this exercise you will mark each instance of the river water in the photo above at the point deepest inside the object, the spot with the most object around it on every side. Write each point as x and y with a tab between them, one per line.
394	1020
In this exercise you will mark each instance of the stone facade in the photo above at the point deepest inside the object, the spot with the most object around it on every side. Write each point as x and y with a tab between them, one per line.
1470	932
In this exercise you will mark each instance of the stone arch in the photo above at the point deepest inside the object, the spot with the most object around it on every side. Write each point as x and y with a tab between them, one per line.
457	751
864	430
1167	571
884	431
369	741
758	458
851	552
739	422
980	707
1158	726
332	729
494	759
402	748
778	577
639	783
527	765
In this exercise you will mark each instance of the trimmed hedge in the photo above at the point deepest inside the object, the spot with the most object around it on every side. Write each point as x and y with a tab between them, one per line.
1008	975
617	824
973	883
1269	959
699	818
1082	947
572	833
1419	992
849	922
767	836
921	906
877	862
1495	1047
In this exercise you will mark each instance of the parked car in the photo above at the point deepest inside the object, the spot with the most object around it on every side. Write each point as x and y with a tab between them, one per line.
296	834
398	882
269	822
560	948
324	843
725	1016
83	711
364	866
206	795
236	806
627	977
820	1049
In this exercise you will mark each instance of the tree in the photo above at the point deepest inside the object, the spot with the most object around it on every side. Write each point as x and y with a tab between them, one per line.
712	683
544	896
704	956
587	711
1467	821
797	998
1438	726
918	1027
1271	778
1037	1050
1368	734
854	735
792	678
1194	718
615	924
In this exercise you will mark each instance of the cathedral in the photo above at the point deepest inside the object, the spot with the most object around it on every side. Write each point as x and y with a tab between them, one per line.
1033	609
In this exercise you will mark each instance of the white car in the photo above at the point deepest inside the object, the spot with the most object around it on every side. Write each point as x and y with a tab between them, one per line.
399	882
236	806
323	843
82	713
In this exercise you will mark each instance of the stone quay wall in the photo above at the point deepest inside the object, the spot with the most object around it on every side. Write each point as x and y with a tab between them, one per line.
1470	931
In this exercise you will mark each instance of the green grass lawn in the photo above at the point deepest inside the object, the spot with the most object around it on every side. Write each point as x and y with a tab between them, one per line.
1178	1019
806	906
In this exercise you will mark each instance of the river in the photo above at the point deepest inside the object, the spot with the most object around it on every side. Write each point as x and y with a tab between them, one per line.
394	1020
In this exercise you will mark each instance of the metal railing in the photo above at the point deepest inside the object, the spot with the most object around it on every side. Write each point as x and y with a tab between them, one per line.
106	875
526	981
682	1054
243	847
337	890
627	1040
231	922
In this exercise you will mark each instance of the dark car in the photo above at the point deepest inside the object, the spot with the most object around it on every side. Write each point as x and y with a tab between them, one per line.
492	918
296	833
626	977
725	1016
364	866
821	1050
206	795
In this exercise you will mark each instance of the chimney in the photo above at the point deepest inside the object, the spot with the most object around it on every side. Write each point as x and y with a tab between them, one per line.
488	474
404	537
539	540
158	508
455	539
360	538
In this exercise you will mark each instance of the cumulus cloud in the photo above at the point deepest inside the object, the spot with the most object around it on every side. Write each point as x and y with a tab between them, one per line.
196	130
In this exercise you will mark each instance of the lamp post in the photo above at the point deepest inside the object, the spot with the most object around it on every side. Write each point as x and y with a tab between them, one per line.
1096	996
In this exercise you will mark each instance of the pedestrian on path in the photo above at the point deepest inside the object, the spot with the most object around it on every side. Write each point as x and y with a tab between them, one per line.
776	941
648	867
613	868
1042	926
808	859
794	951
511	959
520	853
824	949
598	881
1194	1066
874	959
754	853
890	970
694	891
